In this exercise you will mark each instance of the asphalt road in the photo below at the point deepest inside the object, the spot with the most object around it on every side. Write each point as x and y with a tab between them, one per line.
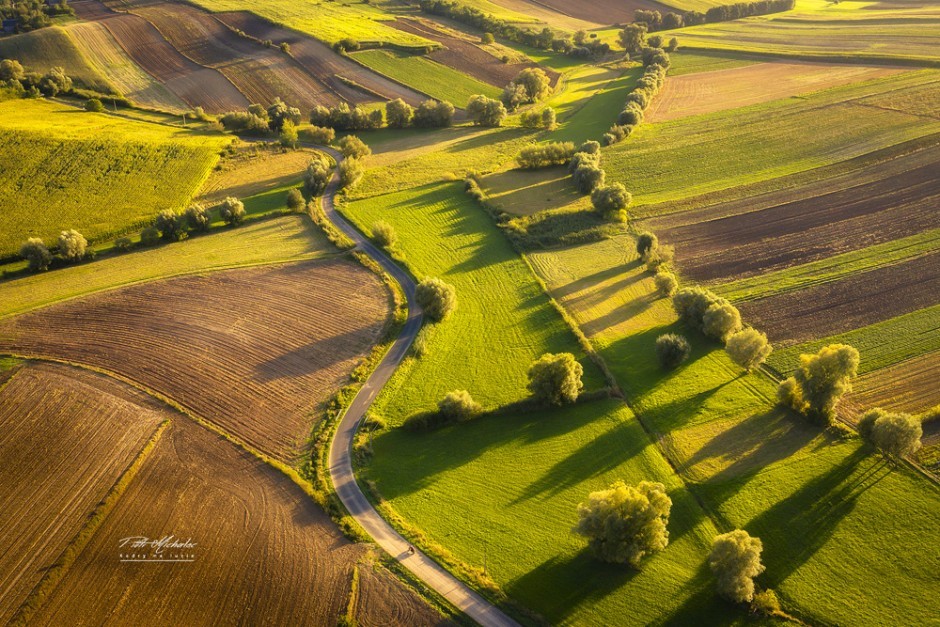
341	469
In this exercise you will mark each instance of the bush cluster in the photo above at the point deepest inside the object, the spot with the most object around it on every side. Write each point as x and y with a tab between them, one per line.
545	155
437	298
322	135
531	85
343	118
317	176
611	202
585	168
352	146
544	119
820	381
257	119
456	406
433	114
672	350
398	113
486	111
555	379
656	63
713	315
897	435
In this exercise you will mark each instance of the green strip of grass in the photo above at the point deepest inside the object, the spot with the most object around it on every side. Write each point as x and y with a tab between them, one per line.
830	269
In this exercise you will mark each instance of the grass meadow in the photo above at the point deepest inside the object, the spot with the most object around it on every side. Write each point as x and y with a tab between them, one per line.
43	49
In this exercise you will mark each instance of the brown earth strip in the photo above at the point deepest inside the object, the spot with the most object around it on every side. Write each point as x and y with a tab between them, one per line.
850	303
321	62
264	552
465	56
791	227
569	15
190	82
255	351
910	386
66	436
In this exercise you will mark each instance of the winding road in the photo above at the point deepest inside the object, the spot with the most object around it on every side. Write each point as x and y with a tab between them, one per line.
340	459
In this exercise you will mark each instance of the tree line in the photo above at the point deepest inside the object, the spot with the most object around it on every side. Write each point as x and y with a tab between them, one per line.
655	21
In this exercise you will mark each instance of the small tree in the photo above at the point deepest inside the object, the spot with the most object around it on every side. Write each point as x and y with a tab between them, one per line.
123	244
556	379
588	177
645	243
35	252
322	135
149	236
666	283
398	113
611	201
486	111
735	560
94	105
458	405
659	257
288	137
350	172
487	39
548	118
352	146
172	226
295	200
317	176
72	245
198	218
431	114
672	350
748	348
384	234
11	70
633	37
897	435
623	524
437	298
823	378
232	211
721	320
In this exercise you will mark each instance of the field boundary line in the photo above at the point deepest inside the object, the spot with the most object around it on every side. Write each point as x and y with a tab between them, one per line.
60	567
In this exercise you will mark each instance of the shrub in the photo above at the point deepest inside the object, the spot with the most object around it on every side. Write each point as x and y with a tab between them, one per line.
588	177
765	603
824	377
197	217
72	245
289	136
295	200
897	435
632	115
548	118
790	395
590	148
172	226
645	243
545	154
352	146
11	70
672	350
149	236
611	201
347	44
322	135
535	85
242	122
398	113
94	105
123	244
232	211
672	47
735	561
458	406
661	256
432	114
436	298
721	320
487	38
623	524
317	176
672	21
691	303
867	422
486	111
350	172
342	117
633	37
748	348
384	234
55	81
555	379
666	283
35	252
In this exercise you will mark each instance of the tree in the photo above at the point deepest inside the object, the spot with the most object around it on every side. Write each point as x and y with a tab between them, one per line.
661	256
94	105
54	82
666	283
295	200
322	135
556	379
633	37
11	70
431	114
232	211
384	234
352	146
317	176
279	113
72	245
611	201
350	172
288	137
623	524
458	405
588	177
748	348
398	113
548	118
35	252
672	21
487	39
486	111
437	298
672	350
172	226
149	236
735	561
535	82
721	320
198	217
545	154
822	379
691	303
645	243
897	435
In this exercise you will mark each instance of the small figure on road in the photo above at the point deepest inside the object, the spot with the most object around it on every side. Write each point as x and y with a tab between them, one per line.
411	550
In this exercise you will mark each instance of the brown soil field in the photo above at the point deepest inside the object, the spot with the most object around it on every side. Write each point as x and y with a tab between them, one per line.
260	73
320	61
253	171
856	301
795	226
462	54
190	82
254	351
66	437
568	15
264	554
909	386
707	92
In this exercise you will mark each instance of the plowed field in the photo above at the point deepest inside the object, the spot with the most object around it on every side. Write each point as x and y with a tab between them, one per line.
569	15
254	351
910	386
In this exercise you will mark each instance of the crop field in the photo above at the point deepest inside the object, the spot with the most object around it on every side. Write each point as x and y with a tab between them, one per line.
336	71
120	173
253	170
718	90
435	79
250	523
227	344
192	83
44	49
685	62
103	51
909	386
45	499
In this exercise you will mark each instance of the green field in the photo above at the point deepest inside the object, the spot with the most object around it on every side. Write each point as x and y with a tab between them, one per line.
281	239
102	174
420	73
43	49
687	62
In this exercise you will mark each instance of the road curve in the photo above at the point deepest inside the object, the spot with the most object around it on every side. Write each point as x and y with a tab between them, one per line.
340	459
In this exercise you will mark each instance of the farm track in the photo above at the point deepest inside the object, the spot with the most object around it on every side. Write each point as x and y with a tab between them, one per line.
192	83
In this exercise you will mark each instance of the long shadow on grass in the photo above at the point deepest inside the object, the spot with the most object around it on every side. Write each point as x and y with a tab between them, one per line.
586	283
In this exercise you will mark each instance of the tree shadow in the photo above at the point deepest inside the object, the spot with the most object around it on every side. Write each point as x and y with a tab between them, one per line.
319	355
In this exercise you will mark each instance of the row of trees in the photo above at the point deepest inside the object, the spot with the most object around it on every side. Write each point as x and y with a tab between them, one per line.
398	114
656	63
35	84
33	14
545	155
71	247
655	21
261	120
